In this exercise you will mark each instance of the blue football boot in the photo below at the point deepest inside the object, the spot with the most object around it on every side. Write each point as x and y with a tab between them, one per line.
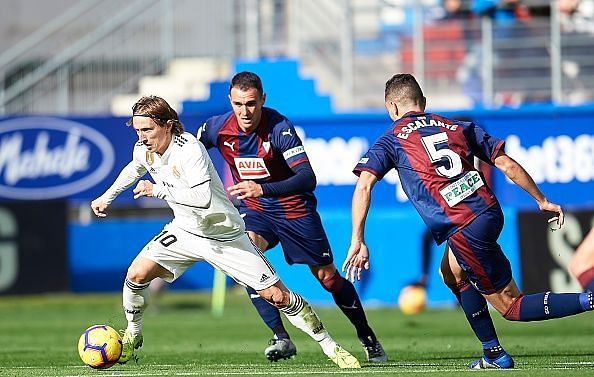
504	361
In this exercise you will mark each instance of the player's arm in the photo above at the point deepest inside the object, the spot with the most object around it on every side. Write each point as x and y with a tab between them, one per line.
520	176
358	255
129	174
195	169
196	196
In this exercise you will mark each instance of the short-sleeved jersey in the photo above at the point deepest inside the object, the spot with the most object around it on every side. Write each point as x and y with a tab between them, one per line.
265	155
434	158
186	164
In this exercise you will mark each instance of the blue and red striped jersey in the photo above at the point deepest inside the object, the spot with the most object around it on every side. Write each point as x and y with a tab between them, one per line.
265	155
434	158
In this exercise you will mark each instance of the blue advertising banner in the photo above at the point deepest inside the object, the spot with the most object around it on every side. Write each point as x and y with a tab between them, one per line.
77	158
556	146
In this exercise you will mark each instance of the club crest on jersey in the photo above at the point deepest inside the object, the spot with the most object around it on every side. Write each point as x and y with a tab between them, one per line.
175	172
150	158
251	168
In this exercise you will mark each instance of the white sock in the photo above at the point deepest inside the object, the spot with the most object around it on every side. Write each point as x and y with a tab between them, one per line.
135	298
302	316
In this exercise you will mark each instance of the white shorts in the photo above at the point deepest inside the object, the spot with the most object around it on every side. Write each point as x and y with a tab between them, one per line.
176	250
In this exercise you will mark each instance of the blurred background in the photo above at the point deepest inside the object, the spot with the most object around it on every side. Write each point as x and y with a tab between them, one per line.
71	70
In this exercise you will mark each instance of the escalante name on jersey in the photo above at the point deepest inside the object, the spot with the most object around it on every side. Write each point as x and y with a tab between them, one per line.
420	123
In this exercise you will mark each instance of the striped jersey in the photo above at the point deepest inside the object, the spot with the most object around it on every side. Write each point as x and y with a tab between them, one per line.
434	159
265	155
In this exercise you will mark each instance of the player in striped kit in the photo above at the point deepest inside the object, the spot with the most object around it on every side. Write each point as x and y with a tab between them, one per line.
275	183
434	158
206	226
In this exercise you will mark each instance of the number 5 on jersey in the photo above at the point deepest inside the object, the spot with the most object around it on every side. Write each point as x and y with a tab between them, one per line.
436	155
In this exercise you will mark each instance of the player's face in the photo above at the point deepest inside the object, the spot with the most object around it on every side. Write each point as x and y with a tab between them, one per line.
155	137
247	106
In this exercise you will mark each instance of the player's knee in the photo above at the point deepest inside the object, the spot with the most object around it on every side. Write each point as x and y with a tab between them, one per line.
137	275
275	296
333	283
511	311
458	286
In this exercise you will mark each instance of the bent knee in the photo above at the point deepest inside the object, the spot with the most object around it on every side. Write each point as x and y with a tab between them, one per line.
333	283
137	275
449	280
511	310
275	297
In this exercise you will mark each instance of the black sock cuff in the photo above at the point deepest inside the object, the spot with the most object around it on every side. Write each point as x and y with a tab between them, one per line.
135	286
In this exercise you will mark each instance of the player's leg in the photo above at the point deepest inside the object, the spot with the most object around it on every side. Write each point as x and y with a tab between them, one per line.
135	299
477	251
581	265
346	298
280	346
304	241
515	306
477	314
166	257
301	315
240	260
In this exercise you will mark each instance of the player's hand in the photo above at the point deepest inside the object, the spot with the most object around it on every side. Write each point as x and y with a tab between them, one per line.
246	189
356	260
99	206
556	222
143	188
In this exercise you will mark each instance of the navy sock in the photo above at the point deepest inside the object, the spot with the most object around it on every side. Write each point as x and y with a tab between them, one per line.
348	301
477	314
548	305
269	314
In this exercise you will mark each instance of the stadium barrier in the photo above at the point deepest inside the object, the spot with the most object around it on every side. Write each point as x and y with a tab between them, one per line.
33	253
77	158
545	254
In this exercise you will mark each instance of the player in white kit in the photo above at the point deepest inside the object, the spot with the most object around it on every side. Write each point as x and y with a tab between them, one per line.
206	226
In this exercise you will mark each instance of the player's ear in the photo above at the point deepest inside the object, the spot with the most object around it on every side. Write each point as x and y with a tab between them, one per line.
263	98
423	103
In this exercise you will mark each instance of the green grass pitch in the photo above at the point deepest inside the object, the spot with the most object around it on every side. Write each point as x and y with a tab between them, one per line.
38	336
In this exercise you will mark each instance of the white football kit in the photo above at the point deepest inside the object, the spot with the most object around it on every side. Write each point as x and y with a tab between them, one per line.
206	225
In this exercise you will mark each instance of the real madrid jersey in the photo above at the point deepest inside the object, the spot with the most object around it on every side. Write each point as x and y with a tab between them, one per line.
186	178
434	157
265	155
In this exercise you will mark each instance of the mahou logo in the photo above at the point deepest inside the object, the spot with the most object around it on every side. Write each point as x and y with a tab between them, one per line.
46	158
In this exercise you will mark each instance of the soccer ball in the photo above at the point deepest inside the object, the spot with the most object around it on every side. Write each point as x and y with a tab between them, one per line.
100	346
412	299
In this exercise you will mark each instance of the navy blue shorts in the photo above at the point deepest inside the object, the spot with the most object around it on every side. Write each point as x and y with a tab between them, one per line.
303	240
478	253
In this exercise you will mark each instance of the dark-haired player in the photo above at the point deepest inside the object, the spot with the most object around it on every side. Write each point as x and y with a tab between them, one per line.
274	182
434	158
